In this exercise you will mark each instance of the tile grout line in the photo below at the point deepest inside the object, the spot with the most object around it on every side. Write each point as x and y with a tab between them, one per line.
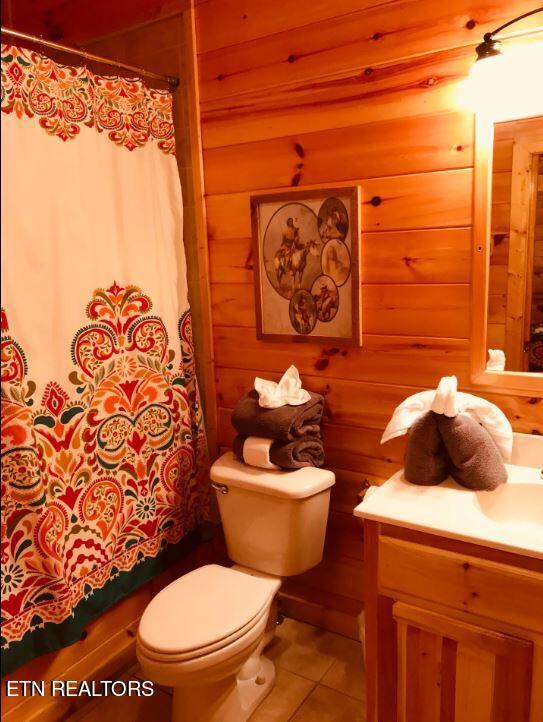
278	665
345	694
303	701
319	684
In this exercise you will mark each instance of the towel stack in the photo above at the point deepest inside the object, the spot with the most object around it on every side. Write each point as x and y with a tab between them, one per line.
285	436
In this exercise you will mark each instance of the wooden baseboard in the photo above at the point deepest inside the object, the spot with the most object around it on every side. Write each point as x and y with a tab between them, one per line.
107	661
333	612
96	661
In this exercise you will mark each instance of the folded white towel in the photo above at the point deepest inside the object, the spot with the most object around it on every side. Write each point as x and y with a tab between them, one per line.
445	397
256	452
287	391
445	400
496	360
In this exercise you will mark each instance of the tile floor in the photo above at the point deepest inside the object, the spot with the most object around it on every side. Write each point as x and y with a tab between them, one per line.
320	678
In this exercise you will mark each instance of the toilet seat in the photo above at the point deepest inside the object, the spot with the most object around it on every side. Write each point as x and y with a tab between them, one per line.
221	644
204	611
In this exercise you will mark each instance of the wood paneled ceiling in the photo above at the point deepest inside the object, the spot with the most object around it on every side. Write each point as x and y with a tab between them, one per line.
77	21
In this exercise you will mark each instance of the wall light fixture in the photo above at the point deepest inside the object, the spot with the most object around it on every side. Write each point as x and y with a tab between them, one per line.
505	83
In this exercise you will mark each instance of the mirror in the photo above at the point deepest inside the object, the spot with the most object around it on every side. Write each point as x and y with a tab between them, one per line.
515	288
507	275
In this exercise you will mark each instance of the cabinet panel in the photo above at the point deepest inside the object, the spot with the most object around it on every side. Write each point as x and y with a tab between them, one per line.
419	659
461	582
452	671
474	693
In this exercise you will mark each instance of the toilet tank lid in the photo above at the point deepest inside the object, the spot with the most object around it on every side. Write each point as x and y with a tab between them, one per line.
297	484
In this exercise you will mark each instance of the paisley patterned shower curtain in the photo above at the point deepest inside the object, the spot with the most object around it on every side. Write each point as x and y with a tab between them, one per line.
103	447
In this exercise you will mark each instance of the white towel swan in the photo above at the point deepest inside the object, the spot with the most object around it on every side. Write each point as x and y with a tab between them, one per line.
447	400
288	391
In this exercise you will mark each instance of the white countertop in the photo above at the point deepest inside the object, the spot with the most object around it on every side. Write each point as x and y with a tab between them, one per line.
509	518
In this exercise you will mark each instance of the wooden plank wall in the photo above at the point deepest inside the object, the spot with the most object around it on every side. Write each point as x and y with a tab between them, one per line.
80	21
313	93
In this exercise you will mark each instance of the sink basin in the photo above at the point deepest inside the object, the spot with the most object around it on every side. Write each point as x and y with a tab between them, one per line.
520	503
509	518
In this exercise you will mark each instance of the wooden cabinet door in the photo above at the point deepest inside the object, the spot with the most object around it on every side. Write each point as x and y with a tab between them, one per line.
452	671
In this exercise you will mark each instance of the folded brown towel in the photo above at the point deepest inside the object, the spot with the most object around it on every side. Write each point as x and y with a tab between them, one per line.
426	459
440	446
476	460
286	423
307	451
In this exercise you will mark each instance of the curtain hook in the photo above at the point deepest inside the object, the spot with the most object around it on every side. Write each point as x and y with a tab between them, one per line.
85	62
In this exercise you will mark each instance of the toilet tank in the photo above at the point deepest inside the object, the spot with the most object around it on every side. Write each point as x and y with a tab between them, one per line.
273	521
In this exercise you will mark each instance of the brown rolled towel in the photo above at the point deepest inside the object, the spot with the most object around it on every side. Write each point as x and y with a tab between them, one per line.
426	458
476	462
307	451
287	423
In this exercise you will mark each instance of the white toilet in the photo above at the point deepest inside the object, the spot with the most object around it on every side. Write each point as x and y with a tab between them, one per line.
204	634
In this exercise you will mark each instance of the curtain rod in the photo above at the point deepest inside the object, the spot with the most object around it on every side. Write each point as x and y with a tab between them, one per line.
172	82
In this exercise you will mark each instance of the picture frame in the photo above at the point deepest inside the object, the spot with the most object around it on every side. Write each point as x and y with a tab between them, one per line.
306	252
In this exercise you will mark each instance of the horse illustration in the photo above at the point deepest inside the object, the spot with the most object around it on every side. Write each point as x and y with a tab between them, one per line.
292	261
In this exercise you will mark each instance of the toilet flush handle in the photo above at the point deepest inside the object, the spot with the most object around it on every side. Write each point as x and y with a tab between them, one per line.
221	488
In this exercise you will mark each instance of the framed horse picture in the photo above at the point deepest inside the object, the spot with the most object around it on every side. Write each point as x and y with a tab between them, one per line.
306	251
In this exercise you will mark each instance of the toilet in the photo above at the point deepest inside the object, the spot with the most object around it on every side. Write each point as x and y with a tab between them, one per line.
205	633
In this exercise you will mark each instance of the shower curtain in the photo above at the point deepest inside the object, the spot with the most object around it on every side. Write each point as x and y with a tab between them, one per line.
104	461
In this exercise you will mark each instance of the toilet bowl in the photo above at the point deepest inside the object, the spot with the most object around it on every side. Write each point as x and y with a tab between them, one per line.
205	633
198	633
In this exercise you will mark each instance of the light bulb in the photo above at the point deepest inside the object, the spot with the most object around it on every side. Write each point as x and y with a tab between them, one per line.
506	86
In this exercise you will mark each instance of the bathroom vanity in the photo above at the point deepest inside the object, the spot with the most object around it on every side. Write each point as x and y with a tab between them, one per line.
454	578
454	599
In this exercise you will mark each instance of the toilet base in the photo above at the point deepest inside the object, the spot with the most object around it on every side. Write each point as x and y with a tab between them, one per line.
252	691
235	697
212	702
227	700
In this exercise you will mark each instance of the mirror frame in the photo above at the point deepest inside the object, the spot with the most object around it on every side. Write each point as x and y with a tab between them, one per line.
517	382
